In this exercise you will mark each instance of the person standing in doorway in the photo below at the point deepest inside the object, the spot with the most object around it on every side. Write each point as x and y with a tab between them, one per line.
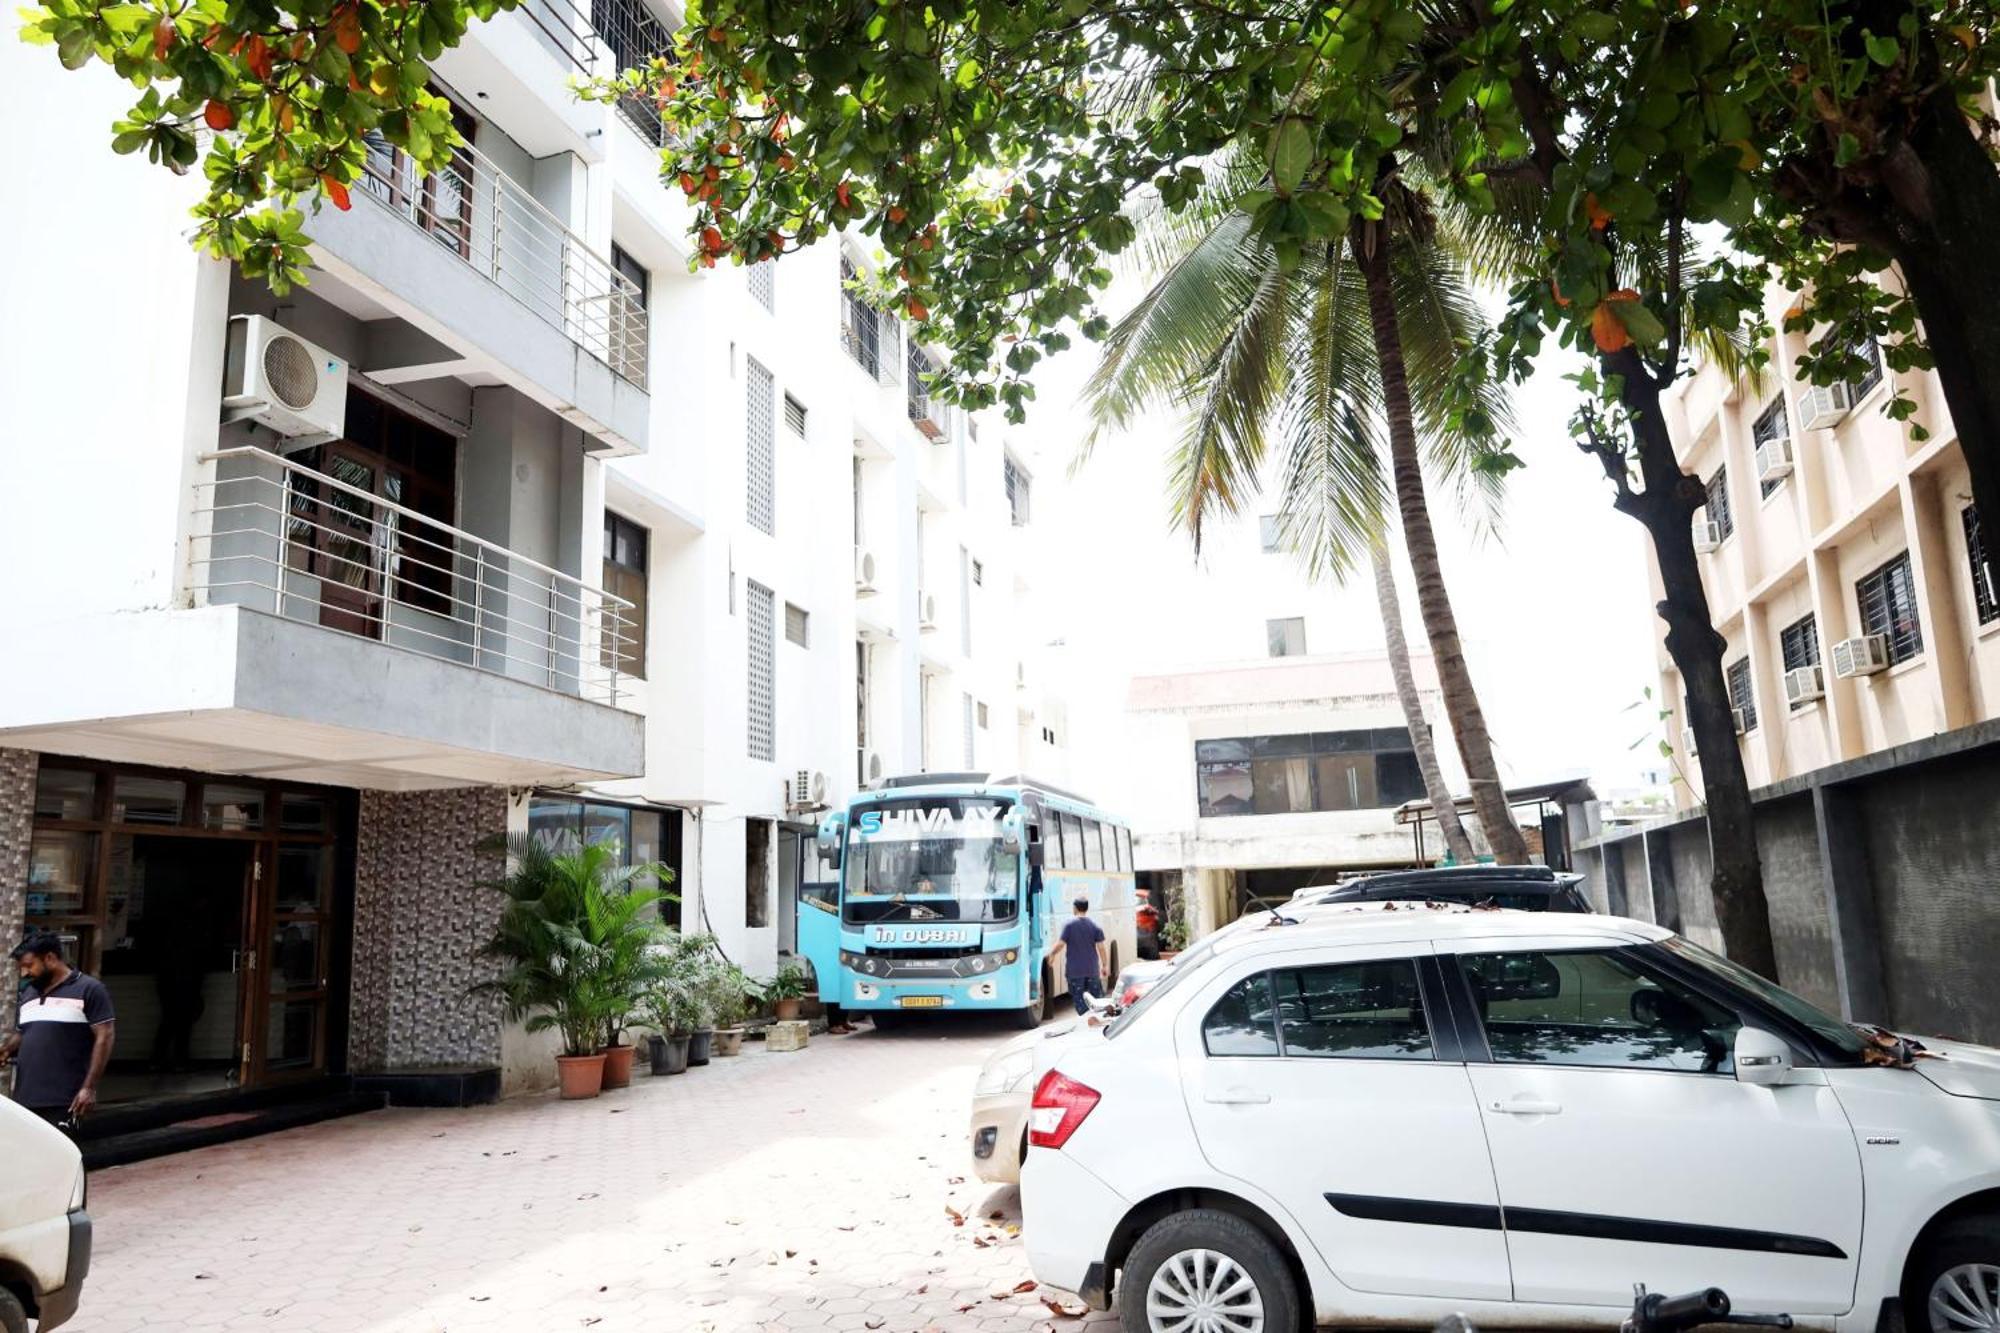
1084	956
65	1035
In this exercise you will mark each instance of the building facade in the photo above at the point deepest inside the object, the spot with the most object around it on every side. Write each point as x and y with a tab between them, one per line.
504	524
1844	564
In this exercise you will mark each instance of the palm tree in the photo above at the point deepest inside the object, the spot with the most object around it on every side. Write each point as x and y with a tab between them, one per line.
1250	346
1442	804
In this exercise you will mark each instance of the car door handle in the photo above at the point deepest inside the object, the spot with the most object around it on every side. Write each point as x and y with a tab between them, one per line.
1238	1097
1526	1106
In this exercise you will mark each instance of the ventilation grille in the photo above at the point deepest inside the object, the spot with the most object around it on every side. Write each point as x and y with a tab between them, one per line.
763	683
291	373
760	460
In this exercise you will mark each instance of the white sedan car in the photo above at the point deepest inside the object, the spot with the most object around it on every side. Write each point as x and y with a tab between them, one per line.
1406	1113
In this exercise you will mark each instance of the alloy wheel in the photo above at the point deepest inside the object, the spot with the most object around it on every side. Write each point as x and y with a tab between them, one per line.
1967	1298
1203	1291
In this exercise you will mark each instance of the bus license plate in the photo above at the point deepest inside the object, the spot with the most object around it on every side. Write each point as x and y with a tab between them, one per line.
921	1001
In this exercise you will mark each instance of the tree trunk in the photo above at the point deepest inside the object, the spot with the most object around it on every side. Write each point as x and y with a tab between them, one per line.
1666	508
1461	703
1945	247
1442	803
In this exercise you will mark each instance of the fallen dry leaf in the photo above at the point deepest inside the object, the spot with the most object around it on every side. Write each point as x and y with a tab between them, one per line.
1062	1311
876	1322
961	1309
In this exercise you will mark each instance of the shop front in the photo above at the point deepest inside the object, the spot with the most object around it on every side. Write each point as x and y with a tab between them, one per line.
217	911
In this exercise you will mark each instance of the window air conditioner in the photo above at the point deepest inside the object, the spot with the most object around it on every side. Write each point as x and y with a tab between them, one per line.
1687	742
1863	655
1707	534
1774	459
1804	683
1740	718
864	571
926	611
1827	405
279	380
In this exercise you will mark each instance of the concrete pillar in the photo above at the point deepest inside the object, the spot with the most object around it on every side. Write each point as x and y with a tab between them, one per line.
1932	567
1767	688
1829	600
17	827
1850	906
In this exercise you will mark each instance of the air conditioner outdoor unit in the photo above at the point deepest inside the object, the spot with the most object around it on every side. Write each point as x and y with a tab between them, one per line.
872	765
864	571
1863	655
1707	534
1827	405
1737	716
1804	683
798	792
1774	459
1687	742
278	379
926	611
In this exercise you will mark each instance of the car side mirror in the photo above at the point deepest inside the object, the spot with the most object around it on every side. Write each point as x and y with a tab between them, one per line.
1762	1058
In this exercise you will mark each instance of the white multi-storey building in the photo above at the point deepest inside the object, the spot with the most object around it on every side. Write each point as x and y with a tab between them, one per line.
506	523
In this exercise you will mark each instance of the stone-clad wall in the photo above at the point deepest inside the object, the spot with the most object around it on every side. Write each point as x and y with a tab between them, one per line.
419	917
17	819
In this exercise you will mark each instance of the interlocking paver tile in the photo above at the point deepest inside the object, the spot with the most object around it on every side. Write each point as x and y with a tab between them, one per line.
781	1192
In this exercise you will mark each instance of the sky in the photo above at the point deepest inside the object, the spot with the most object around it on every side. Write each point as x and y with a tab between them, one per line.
1554	612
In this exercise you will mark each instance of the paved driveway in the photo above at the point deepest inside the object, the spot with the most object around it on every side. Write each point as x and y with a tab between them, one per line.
811	1190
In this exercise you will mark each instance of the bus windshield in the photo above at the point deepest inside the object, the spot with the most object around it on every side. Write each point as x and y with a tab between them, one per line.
937	859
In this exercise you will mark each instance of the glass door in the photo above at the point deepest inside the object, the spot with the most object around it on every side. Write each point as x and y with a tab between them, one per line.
287	1034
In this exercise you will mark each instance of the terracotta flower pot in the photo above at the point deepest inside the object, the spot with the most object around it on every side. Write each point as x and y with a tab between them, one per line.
728	1041
618	1066
582	1076
786	1010
698	1045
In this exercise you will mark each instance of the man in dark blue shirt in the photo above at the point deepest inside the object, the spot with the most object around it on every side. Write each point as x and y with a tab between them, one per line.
65	1034
1082	944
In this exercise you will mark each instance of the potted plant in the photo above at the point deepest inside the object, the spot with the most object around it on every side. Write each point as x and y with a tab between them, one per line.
568	926
674	1009
631	959
786	990
731	993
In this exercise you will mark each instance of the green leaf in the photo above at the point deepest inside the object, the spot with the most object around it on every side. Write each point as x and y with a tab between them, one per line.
1848	149
1291	154
1882	50
1644	326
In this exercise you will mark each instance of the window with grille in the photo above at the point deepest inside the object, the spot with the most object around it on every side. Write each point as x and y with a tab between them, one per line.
1268	534
860	331
982	717
797	625
1718	502
763	683
964	601
1741	697
760	455
970	756
978	574
1798	644
624	645
1287	637
795	415
1017	492
763	281
1771	425
1887	600
1865	348
1983	599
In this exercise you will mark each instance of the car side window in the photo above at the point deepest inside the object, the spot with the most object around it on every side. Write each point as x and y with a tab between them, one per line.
1597	1008
1244	1021
1356	1011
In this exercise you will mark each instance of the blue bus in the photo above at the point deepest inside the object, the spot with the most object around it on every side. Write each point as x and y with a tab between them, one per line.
953	888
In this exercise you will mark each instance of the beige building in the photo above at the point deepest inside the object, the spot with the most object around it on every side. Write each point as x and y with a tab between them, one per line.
1843	562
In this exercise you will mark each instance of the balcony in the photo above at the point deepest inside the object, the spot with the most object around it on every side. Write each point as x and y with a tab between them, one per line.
632	38
471	259
336	637
932	418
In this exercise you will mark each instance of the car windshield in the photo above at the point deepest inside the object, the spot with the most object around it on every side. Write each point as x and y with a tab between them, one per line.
929	860
1182	967
1837	1034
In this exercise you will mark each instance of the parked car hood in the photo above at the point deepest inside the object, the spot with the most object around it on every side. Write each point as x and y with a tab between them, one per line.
1963	1070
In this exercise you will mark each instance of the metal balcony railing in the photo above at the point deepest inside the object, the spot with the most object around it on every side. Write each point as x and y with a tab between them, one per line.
632	38
480	214
567	29
277	536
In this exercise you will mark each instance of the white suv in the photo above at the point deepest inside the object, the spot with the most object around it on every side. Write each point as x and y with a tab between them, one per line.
1398	1113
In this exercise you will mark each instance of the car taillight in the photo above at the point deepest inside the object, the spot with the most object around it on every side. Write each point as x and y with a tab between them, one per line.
1131	993
1060	1105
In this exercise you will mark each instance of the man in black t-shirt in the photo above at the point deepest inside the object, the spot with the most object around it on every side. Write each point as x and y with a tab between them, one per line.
65	1035
1081	953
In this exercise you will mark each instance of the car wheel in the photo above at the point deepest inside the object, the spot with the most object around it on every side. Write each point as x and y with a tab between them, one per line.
1954	1287
1206	1272
13	1319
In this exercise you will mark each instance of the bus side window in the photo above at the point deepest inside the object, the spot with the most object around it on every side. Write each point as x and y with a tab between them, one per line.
1072	841
1093	855
1049	834
1125	849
